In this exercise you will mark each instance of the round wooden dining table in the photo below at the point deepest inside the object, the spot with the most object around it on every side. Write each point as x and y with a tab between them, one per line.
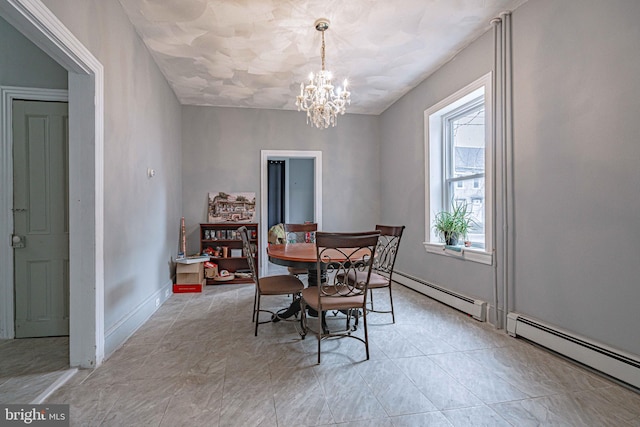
292	254
296	255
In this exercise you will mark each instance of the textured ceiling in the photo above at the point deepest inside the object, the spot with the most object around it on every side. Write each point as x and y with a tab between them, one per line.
255	53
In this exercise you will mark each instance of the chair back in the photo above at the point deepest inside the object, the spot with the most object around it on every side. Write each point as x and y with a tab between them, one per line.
341	253
387	248
300	233
249	252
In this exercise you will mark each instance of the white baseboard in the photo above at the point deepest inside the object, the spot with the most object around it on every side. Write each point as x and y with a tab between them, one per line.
474	307
613	362
119	333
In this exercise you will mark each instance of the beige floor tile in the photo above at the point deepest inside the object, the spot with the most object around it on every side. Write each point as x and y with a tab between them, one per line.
393	389
561	409
477	378
444	391
376	422
431	419
393	344
299	398
476	416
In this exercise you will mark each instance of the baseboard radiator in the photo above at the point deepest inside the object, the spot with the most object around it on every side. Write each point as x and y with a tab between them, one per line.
471	306
615	363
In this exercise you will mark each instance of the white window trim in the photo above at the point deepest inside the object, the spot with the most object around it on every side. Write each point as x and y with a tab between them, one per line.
434	169
468	254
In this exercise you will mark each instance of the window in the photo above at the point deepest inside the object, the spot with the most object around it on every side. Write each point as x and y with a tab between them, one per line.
458	161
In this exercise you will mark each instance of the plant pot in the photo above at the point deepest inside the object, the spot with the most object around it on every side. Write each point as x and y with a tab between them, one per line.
451	239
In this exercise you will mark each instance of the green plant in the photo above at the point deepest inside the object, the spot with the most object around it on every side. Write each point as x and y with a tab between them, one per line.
452	224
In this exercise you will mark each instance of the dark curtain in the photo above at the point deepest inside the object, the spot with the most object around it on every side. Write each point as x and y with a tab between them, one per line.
276	192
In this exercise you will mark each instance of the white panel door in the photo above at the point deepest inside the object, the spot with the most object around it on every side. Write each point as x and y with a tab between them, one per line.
41	220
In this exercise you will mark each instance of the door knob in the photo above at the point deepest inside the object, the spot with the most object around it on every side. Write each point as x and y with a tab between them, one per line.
17	241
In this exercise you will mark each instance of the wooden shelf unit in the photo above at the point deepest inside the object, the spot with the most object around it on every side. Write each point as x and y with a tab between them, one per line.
225	234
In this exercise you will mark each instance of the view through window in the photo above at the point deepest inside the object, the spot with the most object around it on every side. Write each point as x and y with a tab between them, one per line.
464	139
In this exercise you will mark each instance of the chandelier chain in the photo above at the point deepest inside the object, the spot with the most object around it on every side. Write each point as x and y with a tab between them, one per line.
322	50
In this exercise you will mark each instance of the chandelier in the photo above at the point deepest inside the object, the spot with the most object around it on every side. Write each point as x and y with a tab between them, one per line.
317	98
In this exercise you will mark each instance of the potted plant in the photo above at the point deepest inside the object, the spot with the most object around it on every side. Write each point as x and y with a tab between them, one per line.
453	224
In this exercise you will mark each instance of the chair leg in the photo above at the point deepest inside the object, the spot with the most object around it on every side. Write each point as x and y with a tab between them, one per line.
356	315
393	315
370	303
255	300
366	332
320	334
257	313
303	319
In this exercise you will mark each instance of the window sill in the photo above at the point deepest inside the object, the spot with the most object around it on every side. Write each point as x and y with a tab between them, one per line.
461	252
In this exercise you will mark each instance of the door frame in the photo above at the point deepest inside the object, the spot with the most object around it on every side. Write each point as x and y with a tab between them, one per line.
86	180
265	156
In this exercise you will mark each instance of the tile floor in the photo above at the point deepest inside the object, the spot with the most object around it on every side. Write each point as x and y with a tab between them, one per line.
197	363
28	367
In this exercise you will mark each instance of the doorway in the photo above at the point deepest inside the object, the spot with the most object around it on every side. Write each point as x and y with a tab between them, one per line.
306	169
291	197
276	184
86	189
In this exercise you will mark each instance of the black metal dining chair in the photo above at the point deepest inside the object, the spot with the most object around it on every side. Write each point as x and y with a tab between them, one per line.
384	263
283	284
340	254
383	267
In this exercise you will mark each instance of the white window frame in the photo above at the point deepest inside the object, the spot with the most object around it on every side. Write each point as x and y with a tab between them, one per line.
435	169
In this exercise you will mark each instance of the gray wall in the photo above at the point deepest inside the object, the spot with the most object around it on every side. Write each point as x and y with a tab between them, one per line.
142	125
577	179
403	172
301	199
23	64
222	153
576	176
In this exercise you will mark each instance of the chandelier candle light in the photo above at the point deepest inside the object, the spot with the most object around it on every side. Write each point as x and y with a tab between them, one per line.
317	98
